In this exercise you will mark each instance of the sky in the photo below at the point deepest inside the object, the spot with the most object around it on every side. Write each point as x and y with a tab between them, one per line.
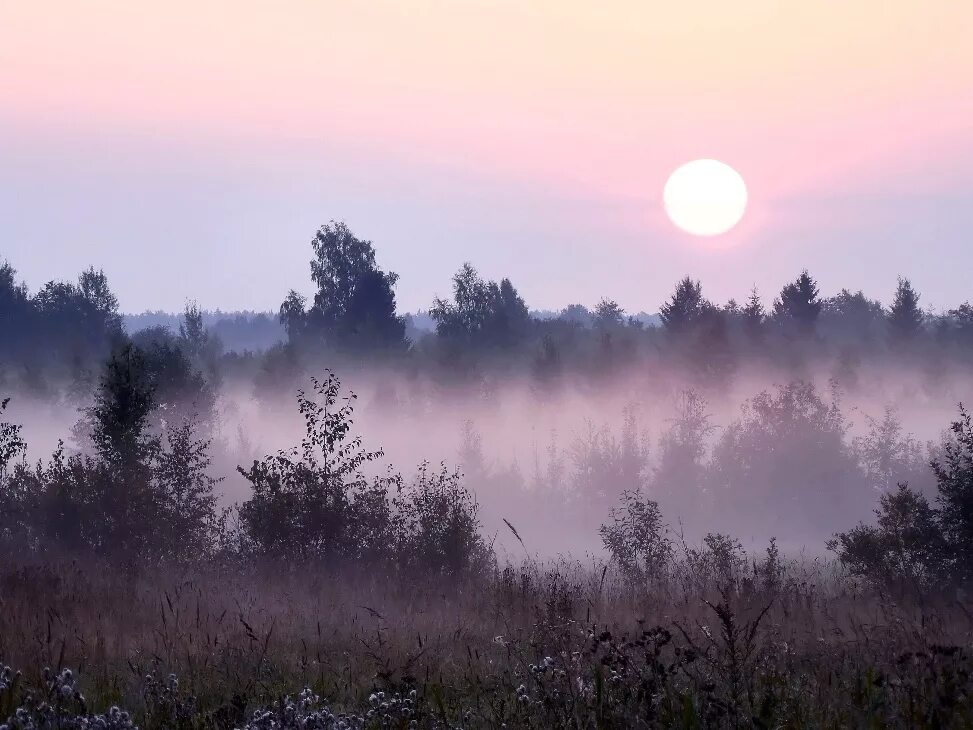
191	149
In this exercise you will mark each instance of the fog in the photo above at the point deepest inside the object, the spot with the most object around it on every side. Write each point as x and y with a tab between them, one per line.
553	462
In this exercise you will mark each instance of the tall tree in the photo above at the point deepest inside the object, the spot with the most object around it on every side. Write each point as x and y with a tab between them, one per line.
482	313
354	306
852	317
16	314
905	319
608	314
684	308
798	305
753	315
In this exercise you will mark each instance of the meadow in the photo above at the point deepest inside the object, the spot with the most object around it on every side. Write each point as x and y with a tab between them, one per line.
757	642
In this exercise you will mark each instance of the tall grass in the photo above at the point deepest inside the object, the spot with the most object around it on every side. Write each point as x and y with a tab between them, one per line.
533	645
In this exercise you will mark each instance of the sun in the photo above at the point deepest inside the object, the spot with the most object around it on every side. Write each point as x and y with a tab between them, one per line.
705	197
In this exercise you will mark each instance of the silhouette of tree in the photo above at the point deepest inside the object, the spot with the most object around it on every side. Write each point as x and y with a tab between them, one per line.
684	308
608	315
954	477
752	315
292	315
798	306
11	442
121	409
16	315
94	289
577	314
849	317
180	389
354	307
482	313
905	319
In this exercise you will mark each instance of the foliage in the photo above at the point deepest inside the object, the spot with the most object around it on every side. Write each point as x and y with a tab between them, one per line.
635	537
439	528
914	543
789	448
11	442
684	308
353	309
798	306
313	501
903	549
482	313
138	498
905	318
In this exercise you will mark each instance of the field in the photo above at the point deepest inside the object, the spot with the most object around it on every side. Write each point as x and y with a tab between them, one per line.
537	645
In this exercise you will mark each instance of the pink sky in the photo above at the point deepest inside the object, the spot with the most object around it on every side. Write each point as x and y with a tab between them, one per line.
506	134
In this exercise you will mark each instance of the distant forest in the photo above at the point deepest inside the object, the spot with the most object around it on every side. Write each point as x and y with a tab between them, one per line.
62	333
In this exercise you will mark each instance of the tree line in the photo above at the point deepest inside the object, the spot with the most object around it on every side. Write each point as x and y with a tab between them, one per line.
66	329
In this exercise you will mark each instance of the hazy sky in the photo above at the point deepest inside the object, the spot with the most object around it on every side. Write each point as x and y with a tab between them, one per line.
192	148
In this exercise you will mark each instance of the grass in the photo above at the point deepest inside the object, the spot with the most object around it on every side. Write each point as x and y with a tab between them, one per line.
534	645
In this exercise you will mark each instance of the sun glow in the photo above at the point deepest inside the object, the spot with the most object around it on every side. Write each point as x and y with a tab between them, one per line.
705	197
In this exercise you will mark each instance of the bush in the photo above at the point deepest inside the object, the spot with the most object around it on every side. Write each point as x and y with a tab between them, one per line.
636	537
138	497
439	526
904	547
11	443
313	501
788	450
915	543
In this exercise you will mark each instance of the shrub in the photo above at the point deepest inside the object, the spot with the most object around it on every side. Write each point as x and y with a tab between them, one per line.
439	525
788	450
137	498
636	537
915	543
720	558
11	443
954	482
904	547
313	501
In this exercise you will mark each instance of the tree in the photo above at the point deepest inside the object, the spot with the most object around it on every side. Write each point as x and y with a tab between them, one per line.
120	413
482	313
16	314
914	542
354	307
903	548
119	483
905	319
753	315
954	478
798	306
94	289
682	448
608	315
786	461
180	390
292	315
313	501
852	317
202	349
684	308
11	443
439	534
577	314
636	537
